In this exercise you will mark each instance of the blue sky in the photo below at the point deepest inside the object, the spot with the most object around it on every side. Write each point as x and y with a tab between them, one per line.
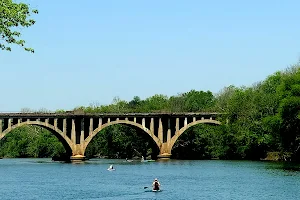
92	51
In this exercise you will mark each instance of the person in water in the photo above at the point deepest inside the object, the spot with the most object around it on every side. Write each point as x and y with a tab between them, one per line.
155	184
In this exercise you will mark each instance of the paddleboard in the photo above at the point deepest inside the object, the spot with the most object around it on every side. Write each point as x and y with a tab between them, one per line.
111	169
155	190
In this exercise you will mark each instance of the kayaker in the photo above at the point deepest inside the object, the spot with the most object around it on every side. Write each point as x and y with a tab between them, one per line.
155	184
111	167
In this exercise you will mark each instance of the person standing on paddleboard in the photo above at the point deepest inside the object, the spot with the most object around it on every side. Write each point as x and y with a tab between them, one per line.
155	184
111	168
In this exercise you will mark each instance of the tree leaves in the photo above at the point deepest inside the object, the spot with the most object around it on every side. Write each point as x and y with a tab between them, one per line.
30	141
13	16
289	110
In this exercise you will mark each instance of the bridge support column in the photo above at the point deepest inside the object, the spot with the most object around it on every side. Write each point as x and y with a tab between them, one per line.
1	126
77	149
165	150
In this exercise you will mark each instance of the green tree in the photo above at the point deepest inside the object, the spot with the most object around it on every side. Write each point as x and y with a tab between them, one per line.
13	16
196	101
156	103
30	141
177	103
121	141
135	104
289	111
223	98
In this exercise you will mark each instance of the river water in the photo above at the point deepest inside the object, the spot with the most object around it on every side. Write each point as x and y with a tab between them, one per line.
43	179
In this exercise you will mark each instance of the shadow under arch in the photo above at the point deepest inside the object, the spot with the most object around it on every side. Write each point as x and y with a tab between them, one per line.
66	142
183	129
130	124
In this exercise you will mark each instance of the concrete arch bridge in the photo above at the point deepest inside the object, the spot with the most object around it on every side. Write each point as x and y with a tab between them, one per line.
76	131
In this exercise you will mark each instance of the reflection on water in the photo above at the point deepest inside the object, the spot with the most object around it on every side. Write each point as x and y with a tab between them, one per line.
290	166
211	179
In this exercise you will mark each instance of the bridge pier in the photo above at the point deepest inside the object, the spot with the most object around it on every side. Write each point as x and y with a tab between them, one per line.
164	156
77	158
165	151
78	152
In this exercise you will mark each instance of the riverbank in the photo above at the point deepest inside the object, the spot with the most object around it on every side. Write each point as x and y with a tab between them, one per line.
278	156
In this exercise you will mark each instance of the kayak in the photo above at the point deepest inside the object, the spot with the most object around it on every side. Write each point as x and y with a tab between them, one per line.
155	190
148	161
111	169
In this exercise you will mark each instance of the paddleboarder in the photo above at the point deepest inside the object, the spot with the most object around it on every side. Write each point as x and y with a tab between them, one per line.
111	168
155	185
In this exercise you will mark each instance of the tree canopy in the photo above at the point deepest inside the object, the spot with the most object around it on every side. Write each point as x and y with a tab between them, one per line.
13	16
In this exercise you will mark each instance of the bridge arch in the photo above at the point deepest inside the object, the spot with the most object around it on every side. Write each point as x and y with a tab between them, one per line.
55	131
126	122
183	129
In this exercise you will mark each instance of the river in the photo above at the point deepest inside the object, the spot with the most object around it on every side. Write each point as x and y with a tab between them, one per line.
214	179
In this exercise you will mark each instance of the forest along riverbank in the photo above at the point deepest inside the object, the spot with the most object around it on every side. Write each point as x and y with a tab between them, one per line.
258	119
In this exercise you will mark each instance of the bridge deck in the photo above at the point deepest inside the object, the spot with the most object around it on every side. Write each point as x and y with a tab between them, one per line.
79	114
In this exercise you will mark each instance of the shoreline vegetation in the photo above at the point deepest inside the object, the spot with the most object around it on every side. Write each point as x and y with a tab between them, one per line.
263	124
